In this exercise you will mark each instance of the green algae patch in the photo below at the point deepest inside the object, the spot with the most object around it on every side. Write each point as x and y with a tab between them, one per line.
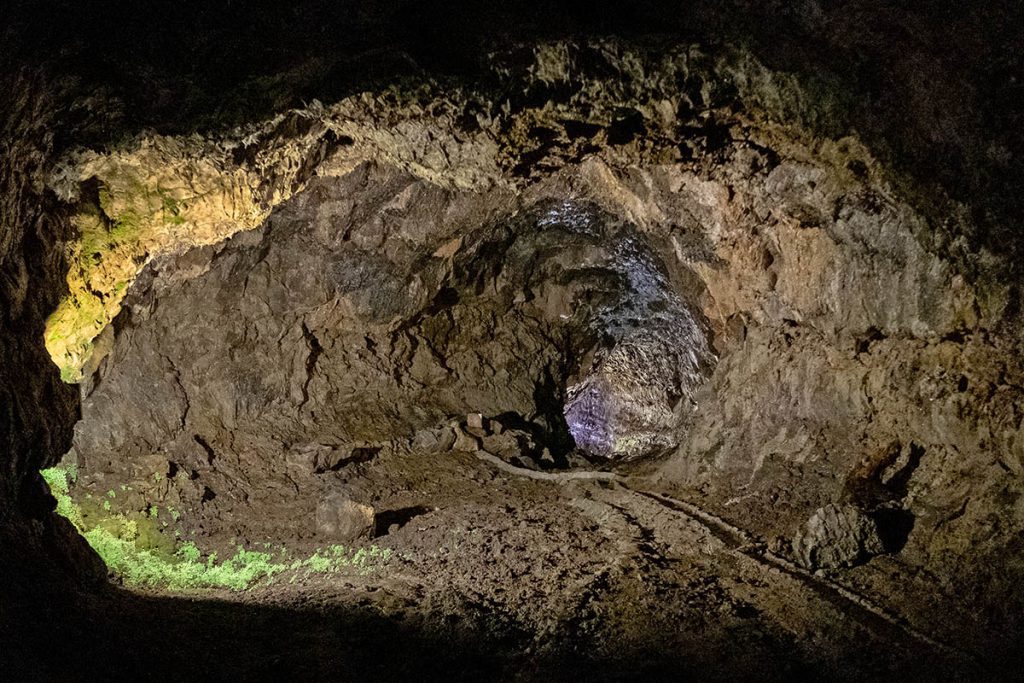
186	569
130	206
135	549
58	479
117	229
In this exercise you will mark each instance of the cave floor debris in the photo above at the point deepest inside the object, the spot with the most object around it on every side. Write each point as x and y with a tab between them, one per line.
529	577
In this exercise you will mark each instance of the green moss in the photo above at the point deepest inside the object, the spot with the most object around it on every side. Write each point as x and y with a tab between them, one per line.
189	551
337	557
317	563
186	570
171	210
99	238
143	556
57	479
70	331
113	237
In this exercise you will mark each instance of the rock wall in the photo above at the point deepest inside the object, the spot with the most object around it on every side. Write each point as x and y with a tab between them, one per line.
369	309
44	560
865	321
856	335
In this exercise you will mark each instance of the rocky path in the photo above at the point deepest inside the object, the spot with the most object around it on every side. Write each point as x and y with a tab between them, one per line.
594	573
734	541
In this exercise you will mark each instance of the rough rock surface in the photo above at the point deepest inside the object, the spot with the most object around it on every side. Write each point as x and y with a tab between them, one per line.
866	322
837	536
343	520
640	384
45	563
856	334
357	320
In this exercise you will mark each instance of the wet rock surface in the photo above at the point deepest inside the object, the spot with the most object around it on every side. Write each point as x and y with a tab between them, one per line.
641	381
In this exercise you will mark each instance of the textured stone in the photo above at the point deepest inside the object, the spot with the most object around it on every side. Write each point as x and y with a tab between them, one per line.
837	536
505	444
476	424
340	519
301	333
437	439
844	319
464	441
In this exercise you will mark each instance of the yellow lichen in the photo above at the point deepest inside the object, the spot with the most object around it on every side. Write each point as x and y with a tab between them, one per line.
149	202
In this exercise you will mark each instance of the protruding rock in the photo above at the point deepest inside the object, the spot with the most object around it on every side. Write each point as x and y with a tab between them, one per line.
503	445
434	440
342	519
476	424
464	441
837	536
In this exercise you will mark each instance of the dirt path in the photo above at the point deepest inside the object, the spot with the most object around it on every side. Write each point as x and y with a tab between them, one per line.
738	541
593	575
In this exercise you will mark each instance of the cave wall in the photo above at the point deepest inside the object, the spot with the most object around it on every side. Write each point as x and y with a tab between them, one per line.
894	59
841	313
775	232
45	562
39	410
32	282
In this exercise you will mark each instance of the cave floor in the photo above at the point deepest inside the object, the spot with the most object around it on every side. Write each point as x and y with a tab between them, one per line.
529	579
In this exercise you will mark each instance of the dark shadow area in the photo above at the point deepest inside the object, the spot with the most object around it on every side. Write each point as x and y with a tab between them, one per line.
334	462
894	527
553	430
386	519
130	637
125	636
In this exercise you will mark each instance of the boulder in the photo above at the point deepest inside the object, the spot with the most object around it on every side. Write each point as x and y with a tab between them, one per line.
341	519
503	445
476	424
433	440
837	536
464	441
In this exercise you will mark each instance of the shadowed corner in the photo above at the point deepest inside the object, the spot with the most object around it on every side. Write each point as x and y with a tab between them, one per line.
132	636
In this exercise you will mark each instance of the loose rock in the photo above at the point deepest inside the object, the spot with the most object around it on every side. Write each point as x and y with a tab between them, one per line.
837	536
341	519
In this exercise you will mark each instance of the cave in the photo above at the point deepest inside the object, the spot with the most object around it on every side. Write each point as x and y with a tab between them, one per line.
395	341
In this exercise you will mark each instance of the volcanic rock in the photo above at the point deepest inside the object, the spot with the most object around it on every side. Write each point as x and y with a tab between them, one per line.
341	519
837	536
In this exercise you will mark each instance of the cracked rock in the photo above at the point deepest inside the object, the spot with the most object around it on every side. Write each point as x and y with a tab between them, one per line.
464	441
